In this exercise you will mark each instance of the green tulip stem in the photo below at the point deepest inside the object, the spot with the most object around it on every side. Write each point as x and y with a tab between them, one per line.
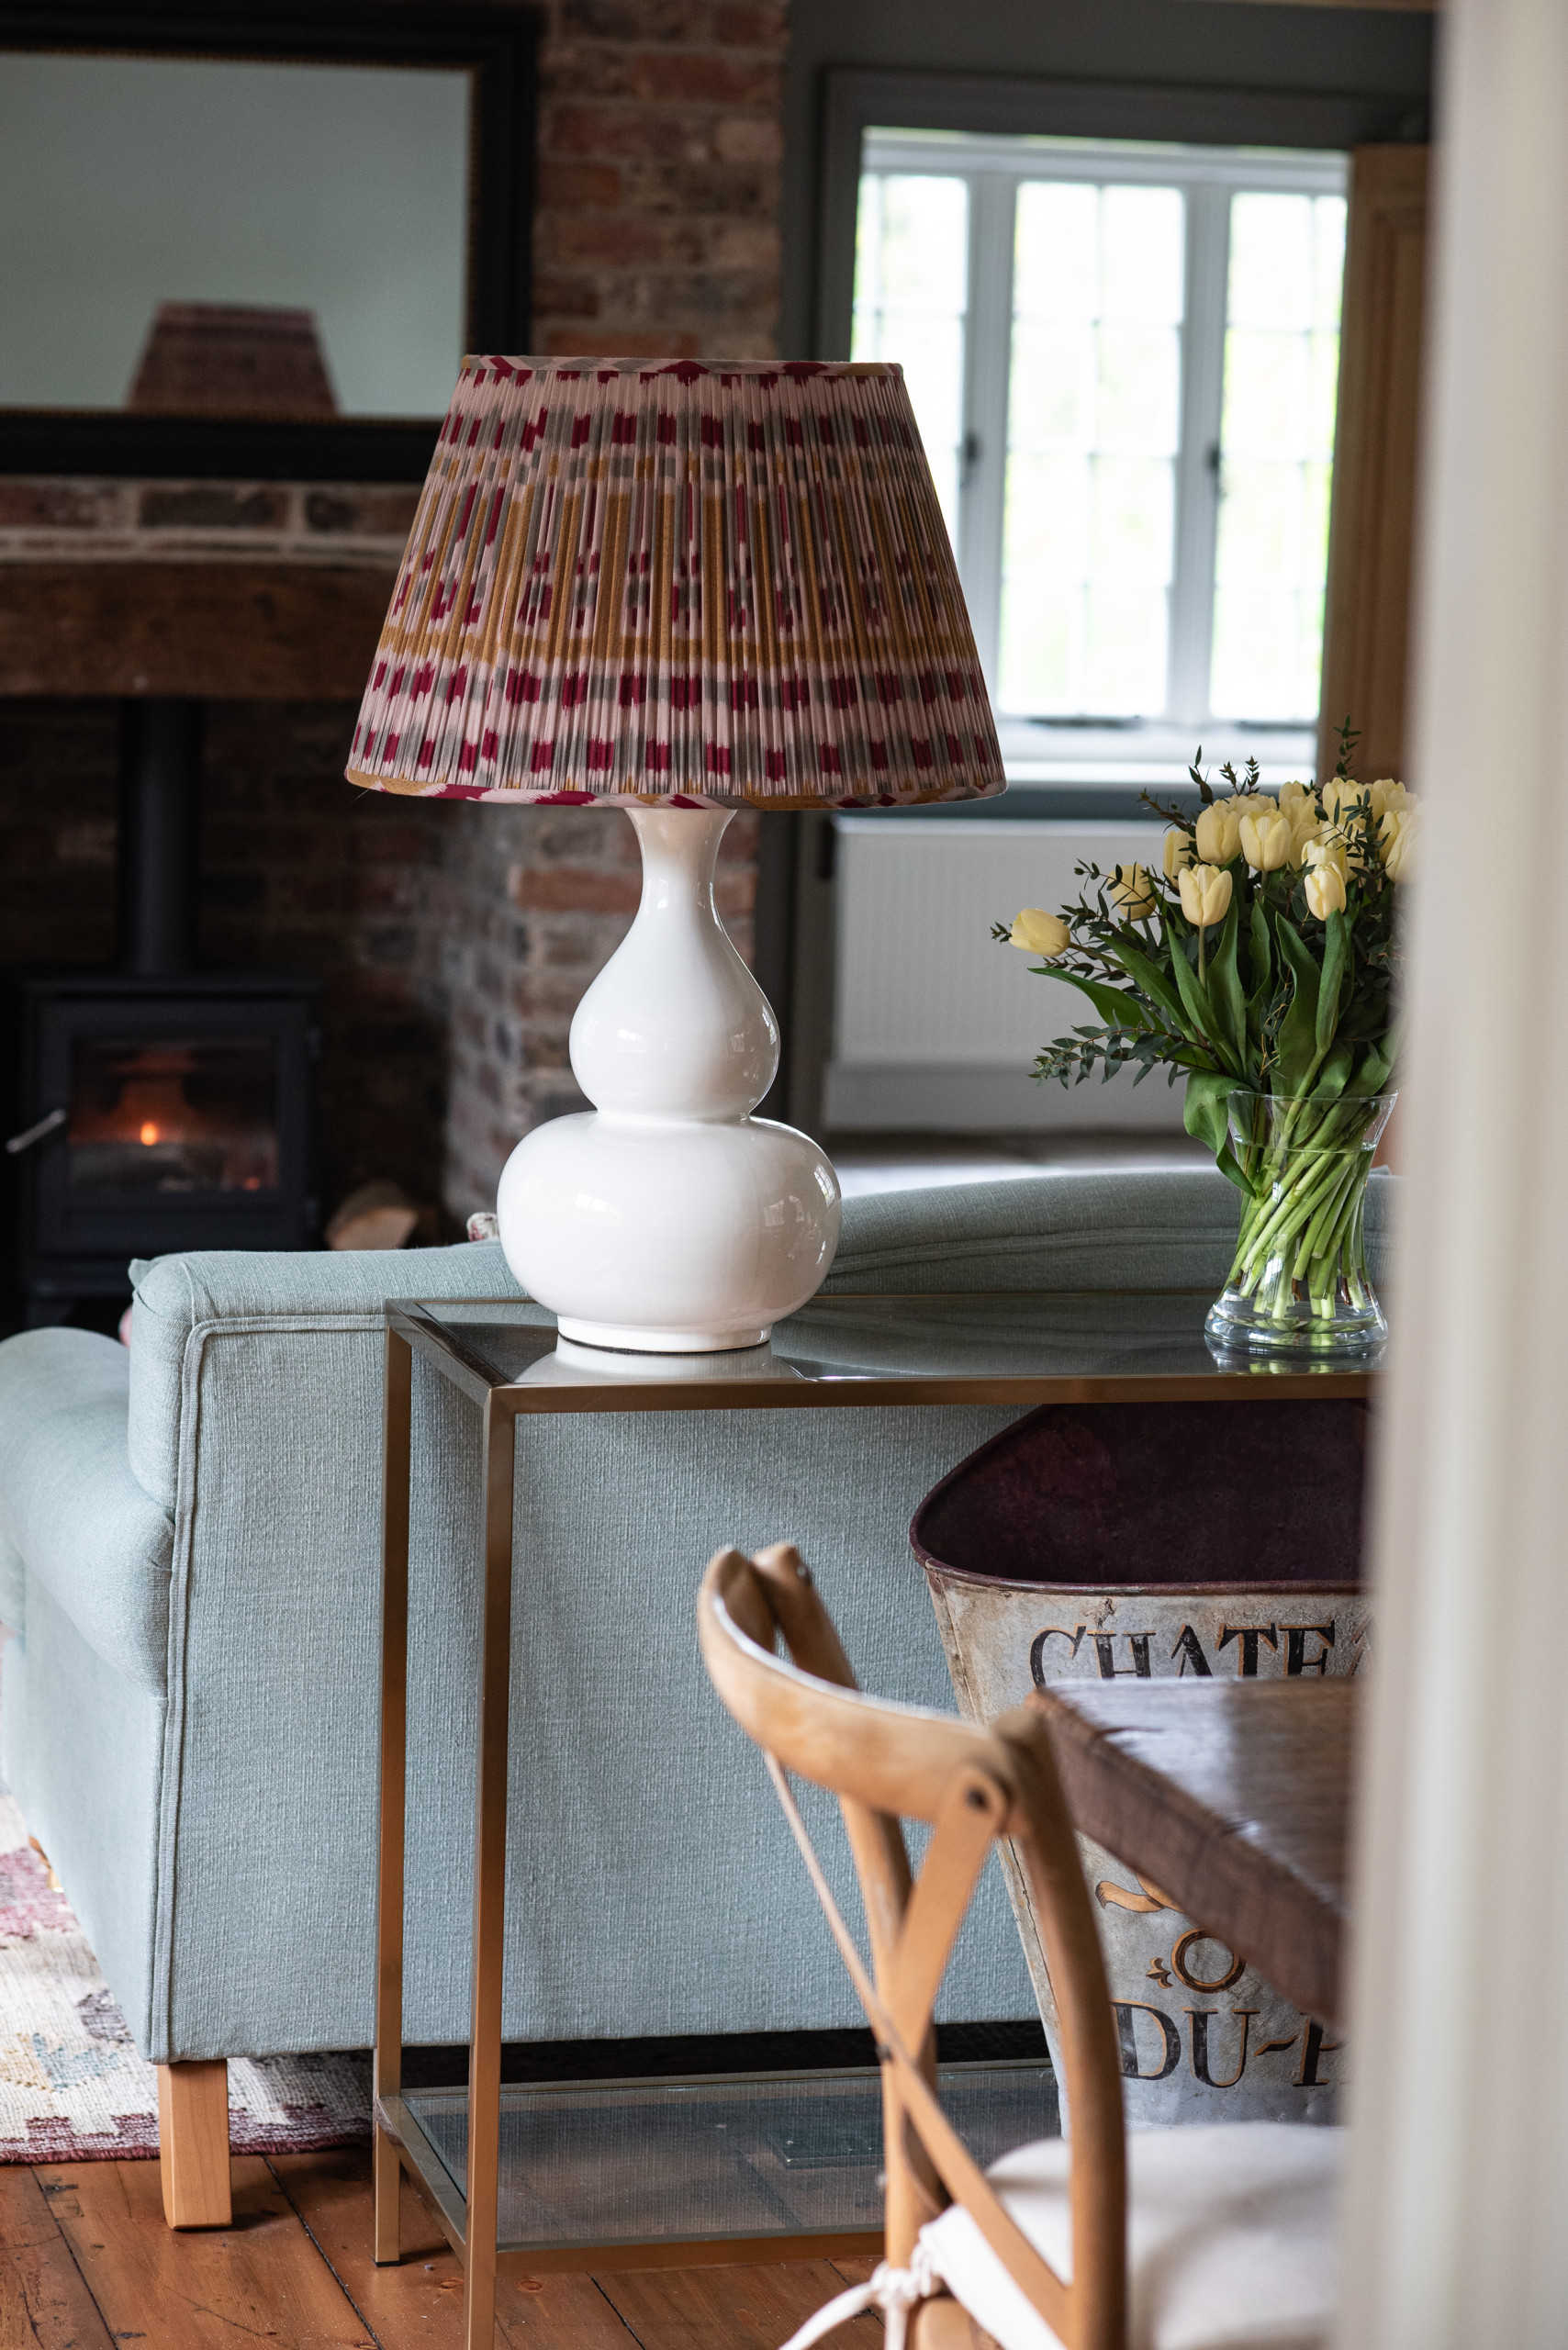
1301	1226
1286	1198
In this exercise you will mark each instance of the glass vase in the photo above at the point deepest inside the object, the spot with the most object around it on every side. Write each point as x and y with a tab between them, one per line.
1299	1284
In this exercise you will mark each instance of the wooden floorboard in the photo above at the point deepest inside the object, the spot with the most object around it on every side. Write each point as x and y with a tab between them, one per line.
44	2304
743	2309
420	2301
261	2279
86	2262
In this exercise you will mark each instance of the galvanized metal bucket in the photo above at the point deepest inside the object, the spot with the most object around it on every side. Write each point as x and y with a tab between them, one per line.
1094	1541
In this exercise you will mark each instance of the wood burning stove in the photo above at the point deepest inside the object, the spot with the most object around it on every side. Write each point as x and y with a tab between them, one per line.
155	1106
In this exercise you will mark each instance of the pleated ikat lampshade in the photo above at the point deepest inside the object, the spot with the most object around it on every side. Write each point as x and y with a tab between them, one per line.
712	583
675	589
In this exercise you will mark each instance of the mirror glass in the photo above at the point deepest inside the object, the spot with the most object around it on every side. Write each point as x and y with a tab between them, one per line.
187	236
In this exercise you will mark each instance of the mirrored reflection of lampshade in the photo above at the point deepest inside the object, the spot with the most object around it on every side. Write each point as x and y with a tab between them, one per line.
232	359
676	588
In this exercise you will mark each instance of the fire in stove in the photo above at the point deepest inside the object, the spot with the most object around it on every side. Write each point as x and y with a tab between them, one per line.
173	1117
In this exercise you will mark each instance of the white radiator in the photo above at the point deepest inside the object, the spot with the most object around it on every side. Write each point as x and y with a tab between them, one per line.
936	1028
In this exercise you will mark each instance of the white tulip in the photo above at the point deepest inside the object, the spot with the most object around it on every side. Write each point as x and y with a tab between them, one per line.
1219	835
1325	890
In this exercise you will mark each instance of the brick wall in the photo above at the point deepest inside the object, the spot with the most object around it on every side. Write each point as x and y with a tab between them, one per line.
455	941
657	234
660	144
530	905
297	870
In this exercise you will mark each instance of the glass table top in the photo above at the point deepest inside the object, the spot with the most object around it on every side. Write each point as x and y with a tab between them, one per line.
979	1345
598	2164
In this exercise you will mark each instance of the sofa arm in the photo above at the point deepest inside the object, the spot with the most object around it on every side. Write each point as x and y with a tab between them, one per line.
69	1505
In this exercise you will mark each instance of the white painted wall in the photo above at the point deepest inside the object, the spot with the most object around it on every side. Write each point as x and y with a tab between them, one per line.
1456	2237
935	1027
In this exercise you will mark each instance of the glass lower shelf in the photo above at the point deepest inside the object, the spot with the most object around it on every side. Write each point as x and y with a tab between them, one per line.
595	2163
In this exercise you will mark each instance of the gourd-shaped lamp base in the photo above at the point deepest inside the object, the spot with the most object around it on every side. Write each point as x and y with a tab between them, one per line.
669	1220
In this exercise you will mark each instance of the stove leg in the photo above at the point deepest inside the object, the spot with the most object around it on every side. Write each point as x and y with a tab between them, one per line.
193	2144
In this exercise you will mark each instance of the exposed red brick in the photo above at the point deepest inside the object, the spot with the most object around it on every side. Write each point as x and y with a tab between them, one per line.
711	81
560	295
586	69
752	24
574	889
626	134
598	342
748	138
617	241
573	188
740	191
747	244
739	844
639	20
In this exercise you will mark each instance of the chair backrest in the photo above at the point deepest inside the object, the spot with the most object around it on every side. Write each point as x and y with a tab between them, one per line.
888	1763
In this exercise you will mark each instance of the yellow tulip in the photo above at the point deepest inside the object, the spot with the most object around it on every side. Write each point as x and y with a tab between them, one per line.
1219	835
1206	893
1133	892
1267	840
1327	848
1387	794
1041	934
1342	796
1178	852
1397	842
1325	890
1292	797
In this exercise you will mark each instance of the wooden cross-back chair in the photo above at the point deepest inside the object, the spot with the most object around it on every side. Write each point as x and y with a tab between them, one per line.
1230	2225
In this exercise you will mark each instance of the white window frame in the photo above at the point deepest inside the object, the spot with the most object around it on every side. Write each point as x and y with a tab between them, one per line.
1142	750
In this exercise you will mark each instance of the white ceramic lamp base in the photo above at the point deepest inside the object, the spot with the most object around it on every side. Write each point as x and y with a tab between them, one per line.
669	1220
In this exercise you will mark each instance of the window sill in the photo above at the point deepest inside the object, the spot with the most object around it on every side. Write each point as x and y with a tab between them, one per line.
1154	757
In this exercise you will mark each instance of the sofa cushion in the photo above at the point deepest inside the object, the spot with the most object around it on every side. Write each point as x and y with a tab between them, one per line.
1166	1228
69	1505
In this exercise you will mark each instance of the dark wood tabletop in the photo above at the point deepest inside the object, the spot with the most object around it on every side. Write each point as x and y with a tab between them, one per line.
1234	1799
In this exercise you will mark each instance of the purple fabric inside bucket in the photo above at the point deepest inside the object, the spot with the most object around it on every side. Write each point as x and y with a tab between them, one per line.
1121	1494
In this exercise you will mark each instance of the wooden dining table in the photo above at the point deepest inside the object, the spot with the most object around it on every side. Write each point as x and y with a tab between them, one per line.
1232	1798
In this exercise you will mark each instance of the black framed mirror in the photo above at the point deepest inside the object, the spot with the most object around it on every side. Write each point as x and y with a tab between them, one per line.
253	242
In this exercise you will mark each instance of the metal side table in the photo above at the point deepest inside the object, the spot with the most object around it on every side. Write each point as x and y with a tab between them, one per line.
471	2151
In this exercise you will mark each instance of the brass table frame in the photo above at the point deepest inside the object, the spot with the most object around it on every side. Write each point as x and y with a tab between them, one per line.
469	2223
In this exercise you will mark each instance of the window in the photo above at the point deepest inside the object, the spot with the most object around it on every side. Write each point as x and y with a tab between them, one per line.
1124	362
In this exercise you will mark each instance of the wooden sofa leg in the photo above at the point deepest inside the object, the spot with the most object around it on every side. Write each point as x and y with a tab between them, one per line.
193	2144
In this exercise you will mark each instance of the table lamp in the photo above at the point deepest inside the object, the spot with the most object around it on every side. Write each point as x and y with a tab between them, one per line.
677	590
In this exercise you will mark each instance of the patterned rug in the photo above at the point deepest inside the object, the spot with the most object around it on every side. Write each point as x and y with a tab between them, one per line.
72	2088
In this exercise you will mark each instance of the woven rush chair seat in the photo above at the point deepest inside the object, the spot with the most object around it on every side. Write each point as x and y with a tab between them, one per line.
1211	2237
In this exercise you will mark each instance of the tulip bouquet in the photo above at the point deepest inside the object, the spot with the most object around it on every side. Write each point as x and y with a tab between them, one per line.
1262	965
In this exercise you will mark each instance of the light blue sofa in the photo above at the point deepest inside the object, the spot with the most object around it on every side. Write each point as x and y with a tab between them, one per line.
189	1557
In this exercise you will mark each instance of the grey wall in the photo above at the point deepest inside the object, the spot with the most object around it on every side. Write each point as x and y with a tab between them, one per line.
1198	44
